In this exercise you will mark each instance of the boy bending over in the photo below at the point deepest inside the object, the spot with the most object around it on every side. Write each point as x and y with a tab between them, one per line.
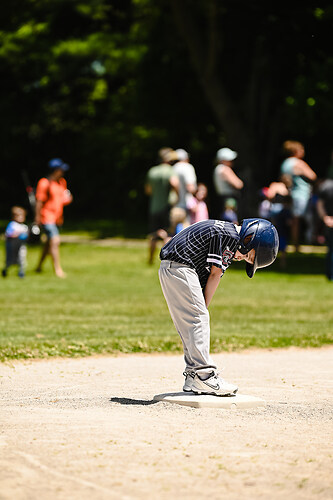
192	263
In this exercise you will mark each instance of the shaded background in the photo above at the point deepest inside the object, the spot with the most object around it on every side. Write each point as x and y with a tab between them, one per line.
104	84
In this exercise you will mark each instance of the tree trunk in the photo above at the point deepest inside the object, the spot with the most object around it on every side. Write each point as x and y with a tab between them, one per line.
203	58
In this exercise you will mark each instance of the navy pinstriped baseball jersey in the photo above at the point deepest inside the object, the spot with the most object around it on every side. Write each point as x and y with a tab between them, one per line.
203	244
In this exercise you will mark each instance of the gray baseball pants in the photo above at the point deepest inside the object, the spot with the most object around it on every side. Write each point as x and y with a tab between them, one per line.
183	294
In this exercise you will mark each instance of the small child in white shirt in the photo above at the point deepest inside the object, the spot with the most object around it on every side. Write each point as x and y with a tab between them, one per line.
16	237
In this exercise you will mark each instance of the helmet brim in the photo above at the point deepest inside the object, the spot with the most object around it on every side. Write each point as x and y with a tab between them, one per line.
251	268
263	257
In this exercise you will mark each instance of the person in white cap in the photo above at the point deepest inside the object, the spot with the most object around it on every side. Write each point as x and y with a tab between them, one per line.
227	183
187	179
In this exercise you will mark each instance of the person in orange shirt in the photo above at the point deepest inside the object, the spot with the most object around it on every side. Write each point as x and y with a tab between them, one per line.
51	197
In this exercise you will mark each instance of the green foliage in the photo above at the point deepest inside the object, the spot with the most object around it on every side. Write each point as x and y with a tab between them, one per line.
111	302
106	83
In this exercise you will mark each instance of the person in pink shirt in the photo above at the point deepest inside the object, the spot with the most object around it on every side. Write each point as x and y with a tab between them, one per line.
197	206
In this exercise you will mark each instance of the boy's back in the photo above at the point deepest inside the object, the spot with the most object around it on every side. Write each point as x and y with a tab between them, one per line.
203	244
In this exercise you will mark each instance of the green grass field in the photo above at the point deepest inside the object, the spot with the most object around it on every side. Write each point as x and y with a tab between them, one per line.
111	302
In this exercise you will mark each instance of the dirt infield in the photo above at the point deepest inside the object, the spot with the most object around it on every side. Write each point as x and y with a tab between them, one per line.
89	429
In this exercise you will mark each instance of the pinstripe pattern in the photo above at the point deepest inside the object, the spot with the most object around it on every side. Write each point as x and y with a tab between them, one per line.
203	244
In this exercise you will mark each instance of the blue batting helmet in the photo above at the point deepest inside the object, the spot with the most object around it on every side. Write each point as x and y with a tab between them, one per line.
261	235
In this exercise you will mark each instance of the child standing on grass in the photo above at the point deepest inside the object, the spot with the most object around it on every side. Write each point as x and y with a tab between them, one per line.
16	237
192	264
230	211
196	205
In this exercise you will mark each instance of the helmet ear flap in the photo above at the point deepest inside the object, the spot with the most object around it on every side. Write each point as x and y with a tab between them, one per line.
262	236
247	239
243	245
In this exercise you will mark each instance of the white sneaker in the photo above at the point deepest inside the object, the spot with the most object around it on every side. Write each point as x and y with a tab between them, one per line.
189	376
213	385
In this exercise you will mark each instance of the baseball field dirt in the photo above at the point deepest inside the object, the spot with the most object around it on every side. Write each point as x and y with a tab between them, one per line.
90	429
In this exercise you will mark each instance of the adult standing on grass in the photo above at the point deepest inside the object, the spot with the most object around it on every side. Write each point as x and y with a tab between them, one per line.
325	212
160	180
302	176
227	184
51	197
187	181
192	264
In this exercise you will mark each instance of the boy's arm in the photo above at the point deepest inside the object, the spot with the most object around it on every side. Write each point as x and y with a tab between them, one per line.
212	284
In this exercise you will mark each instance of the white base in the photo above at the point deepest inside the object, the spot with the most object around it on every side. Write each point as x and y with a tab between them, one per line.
208	401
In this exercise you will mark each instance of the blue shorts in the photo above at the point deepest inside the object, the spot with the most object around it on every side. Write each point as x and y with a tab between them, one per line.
51	230
299	206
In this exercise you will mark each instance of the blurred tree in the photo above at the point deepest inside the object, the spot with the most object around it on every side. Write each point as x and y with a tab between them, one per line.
105	83
67	71
264	68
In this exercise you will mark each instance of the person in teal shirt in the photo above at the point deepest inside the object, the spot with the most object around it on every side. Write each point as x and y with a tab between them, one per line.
301	176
